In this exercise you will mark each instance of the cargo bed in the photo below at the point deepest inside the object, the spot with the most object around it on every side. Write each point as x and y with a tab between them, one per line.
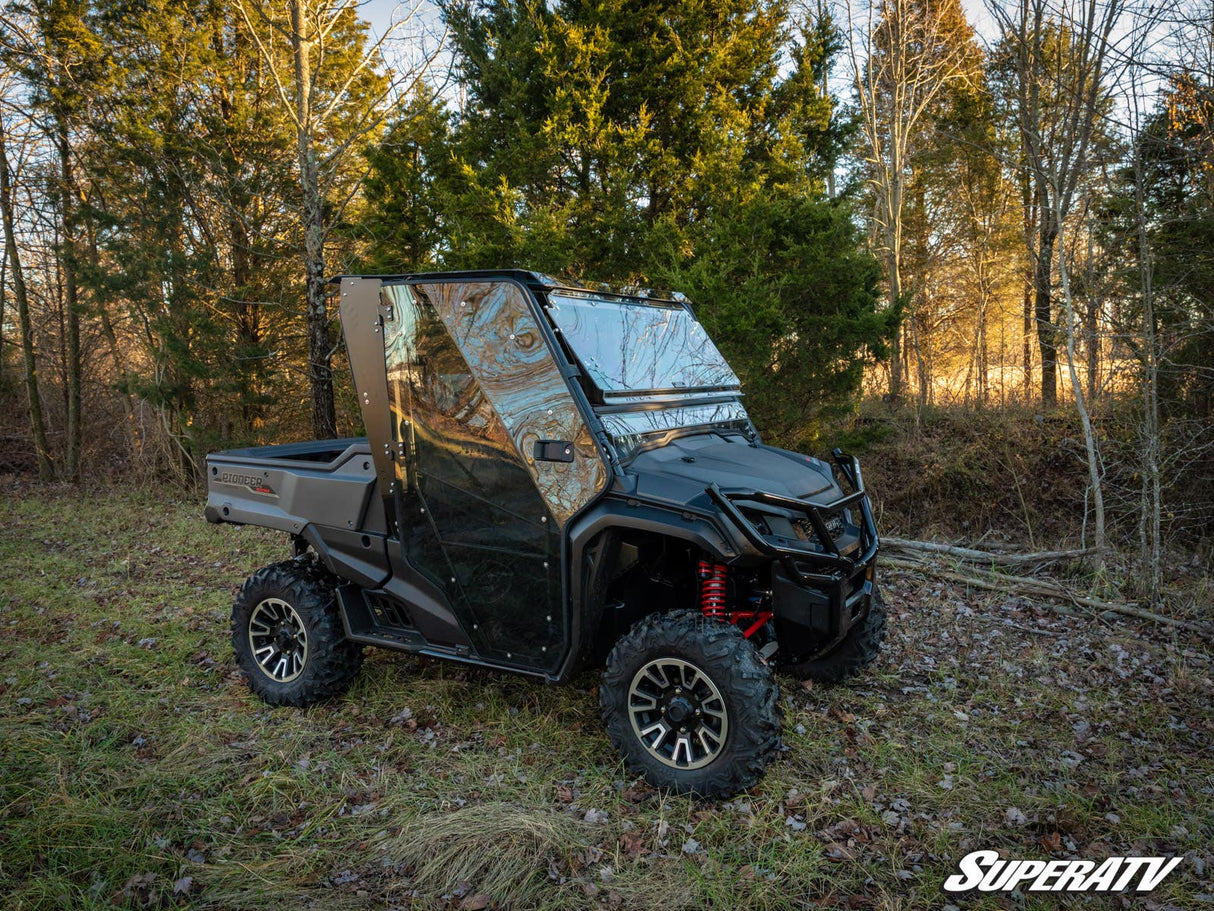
287	486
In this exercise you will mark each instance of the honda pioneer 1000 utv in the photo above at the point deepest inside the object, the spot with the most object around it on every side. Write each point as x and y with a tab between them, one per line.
554	478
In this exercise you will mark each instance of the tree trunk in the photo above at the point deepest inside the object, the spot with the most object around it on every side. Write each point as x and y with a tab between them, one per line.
248	328
1089	435
320	371
71	460
1026	201
125	378
249	365
983	358
1150	522
922	373
248	333
1042	306
3	299
892	268
1027	338
1092	324
46	468
128	398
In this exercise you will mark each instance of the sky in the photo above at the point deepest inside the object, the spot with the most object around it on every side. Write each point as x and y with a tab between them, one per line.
980	18
381	14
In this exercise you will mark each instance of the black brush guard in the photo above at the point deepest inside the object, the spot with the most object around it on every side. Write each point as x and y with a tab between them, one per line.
824	591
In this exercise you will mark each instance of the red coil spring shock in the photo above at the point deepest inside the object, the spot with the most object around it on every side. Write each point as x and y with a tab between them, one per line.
712	590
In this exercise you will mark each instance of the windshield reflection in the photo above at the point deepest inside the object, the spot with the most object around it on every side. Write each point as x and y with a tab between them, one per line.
636	346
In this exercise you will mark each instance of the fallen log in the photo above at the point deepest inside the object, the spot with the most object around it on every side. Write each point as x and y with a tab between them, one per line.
1023	586
983	556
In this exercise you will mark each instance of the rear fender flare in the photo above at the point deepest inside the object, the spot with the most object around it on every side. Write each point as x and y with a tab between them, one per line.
353	556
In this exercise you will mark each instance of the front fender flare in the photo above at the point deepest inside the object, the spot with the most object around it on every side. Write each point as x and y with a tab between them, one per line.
628	514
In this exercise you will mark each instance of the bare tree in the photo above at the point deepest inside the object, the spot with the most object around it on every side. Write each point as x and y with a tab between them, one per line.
905	54
50	46
46	468
1174	40
334	104
1151	501
1060	53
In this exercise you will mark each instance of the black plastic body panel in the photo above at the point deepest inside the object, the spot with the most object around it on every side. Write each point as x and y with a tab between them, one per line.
679	472
428	606
812	619
351	554
360	626
614	512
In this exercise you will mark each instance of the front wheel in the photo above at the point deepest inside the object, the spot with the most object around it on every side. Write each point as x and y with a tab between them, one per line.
691	705
288	636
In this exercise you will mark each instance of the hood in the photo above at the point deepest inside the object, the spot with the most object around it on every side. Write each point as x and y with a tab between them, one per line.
679	472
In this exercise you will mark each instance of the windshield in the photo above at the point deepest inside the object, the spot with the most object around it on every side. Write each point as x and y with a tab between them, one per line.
630	347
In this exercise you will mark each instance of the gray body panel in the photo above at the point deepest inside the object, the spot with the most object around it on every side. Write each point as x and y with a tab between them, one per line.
301	482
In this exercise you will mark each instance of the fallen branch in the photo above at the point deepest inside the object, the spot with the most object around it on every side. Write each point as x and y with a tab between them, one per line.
1043	588
1023	629
982	556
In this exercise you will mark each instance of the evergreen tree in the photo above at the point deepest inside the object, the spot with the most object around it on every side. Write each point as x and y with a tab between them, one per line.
194	192
64	64
403	224
588	126
656	143
785	288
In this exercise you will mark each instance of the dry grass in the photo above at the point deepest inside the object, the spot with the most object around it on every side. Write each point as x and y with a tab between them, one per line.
510	854
138	772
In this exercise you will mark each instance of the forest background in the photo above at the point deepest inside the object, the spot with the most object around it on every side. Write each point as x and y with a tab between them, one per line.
971	241
984	260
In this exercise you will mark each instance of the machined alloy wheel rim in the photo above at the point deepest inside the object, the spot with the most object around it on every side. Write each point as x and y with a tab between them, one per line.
678	713
278	640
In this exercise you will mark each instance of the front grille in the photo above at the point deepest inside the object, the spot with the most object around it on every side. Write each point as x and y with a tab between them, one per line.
805	530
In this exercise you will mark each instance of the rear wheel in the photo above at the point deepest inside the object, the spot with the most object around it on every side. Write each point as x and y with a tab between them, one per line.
857	651
288	636
691	705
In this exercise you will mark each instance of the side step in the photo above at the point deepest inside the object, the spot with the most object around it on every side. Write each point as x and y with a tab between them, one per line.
377	619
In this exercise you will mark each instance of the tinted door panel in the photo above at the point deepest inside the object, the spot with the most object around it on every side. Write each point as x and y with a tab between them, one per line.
497	332
475	522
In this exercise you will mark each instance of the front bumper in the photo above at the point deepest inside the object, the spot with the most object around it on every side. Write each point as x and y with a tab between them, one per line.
818	593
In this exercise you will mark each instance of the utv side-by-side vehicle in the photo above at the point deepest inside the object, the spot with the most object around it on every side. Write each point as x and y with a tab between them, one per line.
554	478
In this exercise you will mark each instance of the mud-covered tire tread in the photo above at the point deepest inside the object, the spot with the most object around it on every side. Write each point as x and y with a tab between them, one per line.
733	663
857	651
333	660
